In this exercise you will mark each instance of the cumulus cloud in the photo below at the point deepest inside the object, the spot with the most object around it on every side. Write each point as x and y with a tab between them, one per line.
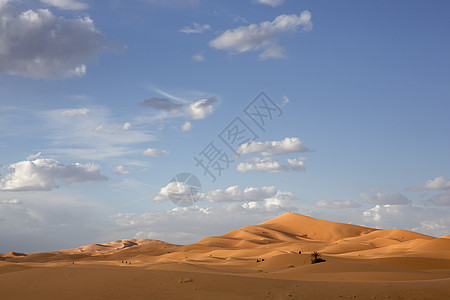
38	44
67	4
120	170
375	213
195	28
427	220
43	174
438	183
271	165
187	224
263	36
385	199
441	199
338	204
202	108
155	152
270	195
272	3
249	194
297	164
288	145
187	126
175	191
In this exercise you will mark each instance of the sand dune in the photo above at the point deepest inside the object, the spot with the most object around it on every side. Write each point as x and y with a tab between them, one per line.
254	262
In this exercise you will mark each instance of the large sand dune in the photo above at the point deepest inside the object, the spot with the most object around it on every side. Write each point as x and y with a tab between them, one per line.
266	261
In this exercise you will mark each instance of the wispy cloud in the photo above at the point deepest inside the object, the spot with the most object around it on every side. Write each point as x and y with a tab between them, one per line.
198	57
67	4
155	152
74	112
163	104
272	3
90	133
338	204
195	28
263	36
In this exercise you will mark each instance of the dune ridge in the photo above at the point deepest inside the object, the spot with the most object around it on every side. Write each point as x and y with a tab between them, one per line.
274	254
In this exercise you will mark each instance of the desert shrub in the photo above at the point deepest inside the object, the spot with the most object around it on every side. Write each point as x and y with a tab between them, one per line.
315	258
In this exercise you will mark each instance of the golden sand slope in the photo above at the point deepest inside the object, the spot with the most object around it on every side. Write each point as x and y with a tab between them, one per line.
254	262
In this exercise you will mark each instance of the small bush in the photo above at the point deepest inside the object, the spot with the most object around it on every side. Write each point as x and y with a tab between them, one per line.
315	258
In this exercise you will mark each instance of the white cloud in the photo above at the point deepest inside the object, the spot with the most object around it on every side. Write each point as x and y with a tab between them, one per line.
79	71
263	36
195	28
187	126
338	204
74	112
271	165
297	164
375	213
438	183
198	57
202	108
427	220
34	156
185	225
126	126
270	195
441	199
38	44
66	4
272	3
288	145
43	174
175	191
120	170
155	152
385	199
249	194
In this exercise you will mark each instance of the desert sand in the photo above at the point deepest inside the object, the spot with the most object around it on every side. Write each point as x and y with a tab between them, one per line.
254	262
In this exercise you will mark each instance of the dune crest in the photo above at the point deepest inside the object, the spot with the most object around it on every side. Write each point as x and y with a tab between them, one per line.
275	253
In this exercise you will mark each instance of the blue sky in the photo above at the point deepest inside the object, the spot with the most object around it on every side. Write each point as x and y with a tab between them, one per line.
103	102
